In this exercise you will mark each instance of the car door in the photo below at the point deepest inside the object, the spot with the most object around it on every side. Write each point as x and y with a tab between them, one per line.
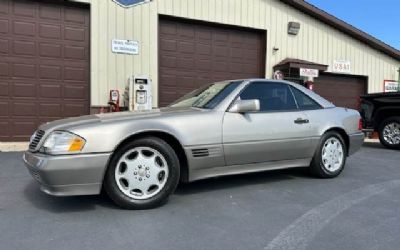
278	131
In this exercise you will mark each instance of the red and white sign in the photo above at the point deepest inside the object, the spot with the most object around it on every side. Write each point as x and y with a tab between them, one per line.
309	72
391	86
342	66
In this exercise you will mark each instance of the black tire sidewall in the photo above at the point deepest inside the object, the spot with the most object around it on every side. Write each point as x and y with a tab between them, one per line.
159	199
381	128
317	165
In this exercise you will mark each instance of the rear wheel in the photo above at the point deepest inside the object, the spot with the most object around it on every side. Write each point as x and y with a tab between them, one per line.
389	133
330	157
142	174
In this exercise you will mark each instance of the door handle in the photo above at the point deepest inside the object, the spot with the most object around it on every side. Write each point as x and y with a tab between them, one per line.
301	121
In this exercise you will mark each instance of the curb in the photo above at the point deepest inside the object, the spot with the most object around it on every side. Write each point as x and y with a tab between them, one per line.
13	146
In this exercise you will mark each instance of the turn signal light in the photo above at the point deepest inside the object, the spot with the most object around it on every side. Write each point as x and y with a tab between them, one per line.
76	145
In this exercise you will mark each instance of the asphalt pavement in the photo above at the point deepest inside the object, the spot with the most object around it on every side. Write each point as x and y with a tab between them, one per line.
271	210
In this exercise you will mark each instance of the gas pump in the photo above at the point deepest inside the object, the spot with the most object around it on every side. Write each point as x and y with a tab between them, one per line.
140	96
114	101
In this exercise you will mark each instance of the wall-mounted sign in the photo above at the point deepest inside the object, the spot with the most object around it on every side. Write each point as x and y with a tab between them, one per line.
341	66
278	75
130	3
125	47
391	86
309	72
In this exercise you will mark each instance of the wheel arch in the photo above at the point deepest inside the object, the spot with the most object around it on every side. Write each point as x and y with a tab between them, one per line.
344	135
383	114
168	138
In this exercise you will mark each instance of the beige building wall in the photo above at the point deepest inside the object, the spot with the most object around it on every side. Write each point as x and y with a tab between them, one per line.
316	41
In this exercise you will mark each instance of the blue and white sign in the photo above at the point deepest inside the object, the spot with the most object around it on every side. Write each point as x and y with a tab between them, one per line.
125	47
130	3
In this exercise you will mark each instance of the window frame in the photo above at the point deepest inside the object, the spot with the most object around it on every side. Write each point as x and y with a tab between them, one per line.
267	111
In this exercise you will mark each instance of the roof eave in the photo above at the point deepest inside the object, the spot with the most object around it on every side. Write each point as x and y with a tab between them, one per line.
344	27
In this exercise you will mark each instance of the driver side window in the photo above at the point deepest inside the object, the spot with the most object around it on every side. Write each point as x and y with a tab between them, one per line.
272	96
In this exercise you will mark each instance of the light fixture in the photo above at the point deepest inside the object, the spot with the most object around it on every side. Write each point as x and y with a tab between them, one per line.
293	28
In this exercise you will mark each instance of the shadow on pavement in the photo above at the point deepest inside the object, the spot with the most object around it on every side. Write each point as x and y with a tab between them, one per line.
235	181
53	204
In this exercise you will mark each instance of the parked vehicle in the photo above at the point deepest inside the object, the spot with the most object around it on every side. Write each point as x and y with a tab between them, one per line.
225	128
381	113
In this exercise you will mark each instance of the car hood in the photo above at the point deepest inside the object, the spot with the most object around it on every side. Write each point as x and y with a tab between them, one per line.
70	123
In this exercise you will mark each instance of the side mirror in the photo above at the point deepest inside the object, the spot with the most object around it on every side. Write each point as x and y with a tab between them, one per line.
245	106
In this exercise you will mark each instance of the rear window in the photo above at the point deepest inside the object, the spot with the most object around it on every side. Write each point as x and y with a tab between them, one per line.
304	102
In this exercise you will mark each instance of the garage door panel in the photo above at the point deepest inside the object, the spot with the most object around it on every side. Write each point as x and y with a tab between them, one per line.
20	70
44	64
74	34
5	130
25	89
4	69
50	90
24	48
75	74
24	9
4	26
24	109
75	91
47	72
24	28
74	109
341	90
52	12
4	89
76	52
4	46
74	15
20	128
4	108
51	50
50	110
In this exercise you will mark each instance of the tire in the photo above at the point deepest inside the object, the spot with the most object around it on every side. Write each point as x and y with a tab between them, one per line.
389	132
327	161
142	174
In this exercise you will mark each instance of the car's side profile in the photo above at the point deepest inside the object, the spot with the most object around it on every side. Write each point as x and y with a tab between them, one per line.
225	128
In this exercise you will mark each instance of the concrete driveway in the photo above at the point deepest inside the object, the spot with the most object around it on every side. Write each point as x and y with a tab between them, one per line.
272	210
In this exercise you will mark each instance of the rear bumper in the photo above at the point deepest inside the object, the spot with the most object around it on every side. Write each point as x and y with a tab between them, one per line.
67	175
355	142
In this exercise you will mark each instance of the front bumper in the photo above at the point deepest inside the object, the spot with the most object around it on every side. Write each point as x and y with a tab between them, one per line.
67	175
355	142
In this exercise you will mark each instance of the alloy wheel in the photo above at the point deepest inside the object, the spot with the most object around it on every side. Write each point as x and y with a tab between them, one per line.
141	173
332	154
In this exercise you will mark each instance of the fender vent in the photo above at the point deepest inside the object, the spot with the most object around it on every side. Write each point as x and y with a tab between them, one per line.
200	152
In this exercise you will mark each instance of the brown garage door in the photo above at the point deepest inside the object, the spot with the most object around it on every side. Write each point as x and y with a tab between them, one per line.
342	90
193	54
44	64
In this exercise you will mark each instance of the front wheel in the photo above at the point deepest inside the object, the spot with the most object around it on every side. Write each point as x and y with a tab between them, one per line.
330	157
142	174
389	133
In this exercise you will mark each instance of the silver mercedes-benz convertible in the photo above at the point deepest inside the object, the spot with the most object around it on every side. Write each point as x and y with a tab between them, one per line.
231	127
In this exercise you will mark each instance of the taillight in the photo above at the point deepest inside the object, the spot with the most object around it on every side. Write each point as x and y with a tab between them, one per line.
360	124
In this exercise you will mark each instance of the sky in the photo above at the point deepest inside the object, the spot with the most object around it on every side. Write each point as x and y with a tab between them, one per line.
379	18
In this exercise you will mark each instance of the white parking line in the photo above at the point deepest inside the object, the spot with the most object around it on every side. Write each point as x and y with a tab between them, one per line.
298	234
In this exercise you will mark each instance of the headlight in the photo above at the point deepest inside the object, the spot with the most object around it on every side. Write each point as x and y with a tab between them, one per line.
61	142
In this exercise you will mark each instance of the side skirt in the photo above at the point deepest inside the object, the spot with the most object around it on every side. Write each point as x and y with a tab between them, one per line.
199	174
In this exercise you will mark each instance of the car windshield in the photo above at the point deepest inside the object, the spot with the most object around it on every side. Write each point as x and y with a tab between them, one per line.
207	97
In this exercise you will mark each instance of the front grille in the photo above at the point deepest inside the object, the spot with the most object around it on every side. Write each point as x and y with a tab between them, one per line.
35	141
